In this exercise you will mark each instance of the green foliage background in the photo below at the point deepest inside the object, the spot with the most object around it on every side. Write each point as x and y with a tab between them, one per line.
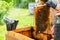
22	3
5	5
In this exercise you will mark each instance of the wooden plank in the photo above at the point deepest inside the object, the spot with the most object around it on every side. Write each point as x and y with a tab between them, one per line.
16	36
25	31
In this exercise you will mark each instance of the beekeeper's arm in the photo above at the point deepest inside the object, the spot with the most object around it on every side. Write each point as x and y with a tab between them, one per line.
53	5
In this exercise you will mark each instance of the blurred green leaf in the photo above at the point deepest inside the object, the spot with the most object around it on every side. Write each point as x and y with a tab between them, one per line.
4	7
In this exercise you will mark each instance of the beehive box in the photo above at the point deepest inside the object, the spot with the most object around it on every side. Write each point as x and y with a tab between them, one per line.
25	31
25	34
41	29
20	34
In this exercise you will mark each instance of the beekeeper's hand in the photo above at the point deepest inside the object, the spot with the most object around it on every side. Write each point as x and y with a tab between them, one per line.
51	4
58	7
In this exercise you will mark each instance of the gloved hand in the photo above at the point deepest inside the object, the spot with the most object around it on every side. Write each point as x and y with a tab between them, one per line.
51	4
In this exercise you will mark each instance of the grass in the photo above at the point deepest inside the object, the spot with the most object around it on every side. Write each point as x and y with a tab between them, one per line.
24	17
2	32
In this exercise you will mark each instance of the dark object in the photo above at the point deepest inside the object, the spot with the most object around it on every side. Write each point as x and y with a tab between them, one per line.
44	1
11	26
10	23
51	4
57	28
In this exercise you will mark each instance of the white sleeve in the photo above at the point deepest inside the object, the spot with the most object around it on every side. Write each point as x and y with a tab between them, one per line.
55	1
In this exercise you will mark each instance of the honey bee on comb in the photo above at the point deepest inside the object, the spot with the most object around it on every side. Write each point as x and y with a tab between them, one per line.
42	22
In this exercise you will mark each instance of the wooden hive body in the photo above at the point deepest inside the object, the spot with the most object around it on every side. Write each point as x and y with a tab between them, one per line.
11	35
41	29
